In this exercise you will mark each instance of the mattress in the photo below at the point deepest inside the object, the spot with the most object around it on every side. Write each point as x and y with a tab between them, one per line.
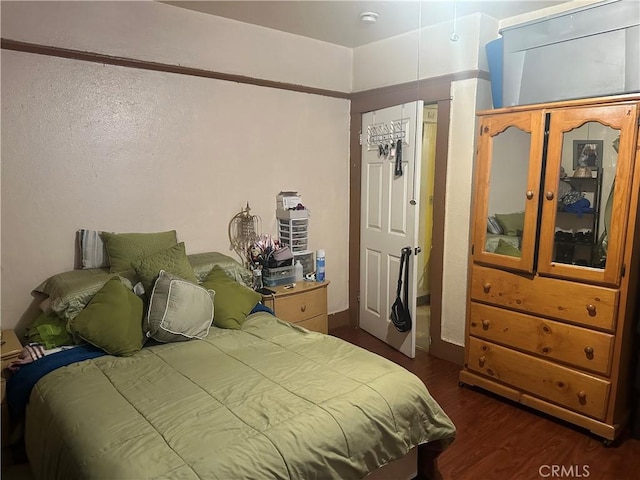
271	401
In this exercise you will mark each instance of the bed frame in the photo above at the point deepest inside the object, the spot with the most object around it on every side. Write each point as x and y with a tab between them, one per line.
418	464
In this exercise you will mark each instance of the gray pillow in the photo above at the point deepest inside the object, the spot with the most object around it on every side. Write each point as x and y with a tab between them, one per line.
178	310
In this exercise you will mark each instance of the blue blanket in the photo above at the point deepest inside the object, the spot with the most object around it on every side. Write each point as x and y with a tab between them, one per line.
21	382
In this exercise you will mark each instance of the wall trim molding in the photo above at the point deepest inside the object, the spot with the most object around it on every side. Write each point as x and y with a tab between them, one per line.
7	44
363	99
364	96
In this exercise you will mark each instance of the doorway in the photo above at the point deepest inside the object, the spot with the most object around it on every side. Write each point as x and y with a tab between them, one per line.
425	227
434	91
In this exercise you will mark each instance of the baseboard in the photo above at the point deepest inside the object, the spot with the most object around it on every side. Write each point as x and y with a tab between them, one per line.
339	319
424	300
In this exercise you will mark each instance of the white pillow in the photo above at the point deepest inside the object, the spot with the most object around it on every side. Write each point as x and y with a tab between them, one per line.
178	310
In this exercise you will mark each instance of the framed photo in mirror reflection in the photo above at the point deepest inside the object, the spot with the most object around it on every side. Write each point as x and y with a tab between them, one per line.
587	153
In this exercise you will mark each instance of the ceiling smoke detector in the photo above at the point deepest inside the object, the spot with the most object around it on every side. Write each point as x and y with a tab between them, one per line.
369	17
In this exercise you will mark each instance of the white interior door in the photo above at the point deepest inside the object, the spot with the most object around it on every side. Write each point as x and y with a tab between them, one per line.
389	219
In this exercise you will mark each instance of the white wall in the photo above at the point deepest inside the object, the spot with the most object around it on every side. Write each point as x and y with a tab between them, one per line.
163	33
467	96
395	60
86	145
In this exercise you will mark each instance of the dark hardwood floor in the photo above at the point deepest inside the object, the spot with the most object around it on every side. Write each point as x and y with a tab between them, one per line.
500	440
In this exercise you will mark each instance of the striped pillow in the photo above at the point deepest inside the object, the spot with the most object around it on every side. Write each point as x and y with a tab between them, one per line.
94	251
493	226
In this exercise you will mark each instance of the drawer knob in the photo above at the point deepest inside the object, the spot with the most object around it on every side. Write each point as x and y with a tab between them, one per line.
582	397
549	195
481	360
591	309
303	308
485	324
529	194
589	352
486	287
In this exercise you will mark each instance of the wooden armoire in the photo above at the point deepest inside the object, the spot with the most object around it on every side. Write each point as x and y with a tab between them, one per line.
555	259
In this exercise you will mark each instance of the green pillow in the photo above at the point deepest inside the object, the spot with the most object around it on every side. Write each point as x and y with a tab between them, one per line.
172	260
203	263
505	248
233	301
71	291
178	310
112	320
125	248
49	330
511	223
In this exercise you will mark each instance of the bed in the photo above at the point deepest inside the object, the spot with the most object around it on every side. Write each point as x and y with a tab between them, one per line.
266	399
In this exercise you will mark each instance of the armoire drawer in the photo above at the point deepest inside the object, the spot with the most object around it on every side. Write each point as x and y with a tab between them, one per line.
577	346
572	389
579	303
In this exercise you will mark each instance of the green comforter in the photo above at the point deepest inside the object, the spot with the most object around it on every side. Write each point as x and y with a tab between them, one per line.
270	401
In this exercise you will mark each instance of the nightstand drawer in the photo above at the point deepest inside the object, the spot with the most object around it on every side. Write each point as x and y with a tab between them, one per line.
317	324
10	348
302	306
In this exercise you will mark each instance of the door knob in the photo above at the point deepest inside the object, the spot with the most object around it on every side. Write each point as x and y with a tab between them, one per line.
549	195
529	194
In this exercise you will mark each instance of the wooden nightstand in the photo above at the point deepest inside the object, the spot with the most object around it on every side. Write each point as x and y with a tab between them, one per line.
305	305
9	350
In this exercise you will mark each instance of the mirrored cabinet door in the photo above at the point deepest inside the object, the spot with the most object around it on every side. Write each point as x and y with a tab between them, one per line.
507	189
586	192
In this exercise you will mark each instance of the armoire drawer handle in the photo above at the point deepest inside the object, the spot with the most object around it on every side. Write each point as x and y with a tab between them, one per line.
303	308
549	195
529	194
591	309
481	360
486	287
582	396
485	324
589	352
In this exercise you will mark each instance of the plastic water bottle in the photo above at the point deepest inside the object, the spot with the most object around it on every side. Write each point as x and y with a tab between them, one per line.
320	266
257	279
298	270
